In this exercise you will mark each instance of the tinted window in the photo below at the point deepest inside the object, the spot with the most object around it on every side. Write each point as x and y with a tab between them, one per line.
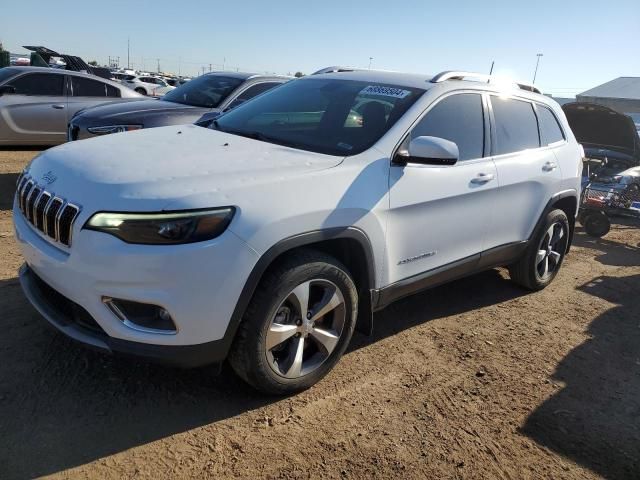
550	130
205	91
317	114
516	125
458	118
113	91
84	87
251	92
7	72
39	84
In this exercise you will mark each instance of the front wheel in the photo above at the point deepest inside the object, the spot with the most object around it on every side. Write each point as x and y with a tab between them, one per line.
298	324
596	224
542	260
141	91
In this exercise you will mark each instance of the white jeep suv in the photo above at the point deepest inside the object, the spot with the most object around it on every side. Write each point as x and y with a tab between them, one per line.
269	237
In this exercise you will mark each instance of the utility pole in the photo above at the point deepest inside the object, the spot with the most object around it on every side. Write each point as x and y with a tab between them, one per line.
370	60
158	64
224	60
209	68
128	63
535	73
492	64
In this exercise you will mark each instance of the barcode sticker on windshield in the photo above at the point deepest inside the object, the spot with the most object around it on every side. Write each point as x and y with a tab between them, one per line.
384	91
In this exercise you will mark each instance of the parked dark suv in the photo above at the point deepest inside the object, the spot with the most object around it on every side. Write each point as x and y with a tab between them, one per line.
207	95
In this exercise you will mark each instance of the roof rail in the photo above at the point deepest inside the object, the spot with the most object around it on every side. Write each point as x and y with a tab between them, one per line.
336	69
479	77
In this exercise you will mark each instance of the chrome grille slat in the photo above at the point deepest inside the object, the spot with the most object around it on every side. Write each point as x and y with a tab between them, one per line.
51	215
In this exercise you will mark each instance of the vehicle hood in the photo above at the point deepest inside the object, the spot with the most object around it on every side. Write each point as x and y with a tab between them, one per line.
141	112
597	126
169	168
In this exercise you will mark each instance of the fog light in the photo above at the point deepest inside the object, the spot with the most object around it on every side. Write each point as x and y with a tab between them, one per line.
141	316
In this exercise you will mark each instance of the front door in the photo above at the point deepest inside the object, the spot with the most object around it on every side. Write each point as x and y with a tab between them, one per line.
36	112
439	214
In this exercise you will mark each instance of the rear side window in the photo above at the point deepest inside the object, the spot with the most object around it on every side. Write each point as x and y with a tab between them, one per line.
458	118
550	131
39	84
516	125
84	87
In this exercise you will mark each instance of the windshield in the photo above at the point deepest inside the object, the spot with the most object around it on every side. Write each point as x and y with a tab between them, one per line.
207	91
336	117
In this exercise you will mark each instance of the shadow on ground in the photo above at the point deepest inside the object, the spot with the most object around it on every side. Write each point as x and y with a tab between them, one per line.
64	406
609	251
595	418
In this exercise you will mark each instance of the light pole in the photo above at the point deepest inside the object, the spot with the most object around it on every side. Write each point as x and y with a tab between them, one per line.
370	60
535	73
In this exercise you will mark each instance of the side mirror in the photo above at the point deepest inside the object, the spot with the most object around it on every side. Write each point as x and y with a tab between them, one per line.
6	89
428	151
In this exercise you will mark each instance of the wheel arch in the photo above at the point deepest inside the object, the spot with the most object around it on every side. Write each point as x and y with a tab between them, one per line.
349	245
568	203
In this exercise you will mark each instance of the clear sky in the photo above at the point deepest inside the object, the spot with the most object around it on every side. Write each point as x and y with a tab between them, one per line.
584	43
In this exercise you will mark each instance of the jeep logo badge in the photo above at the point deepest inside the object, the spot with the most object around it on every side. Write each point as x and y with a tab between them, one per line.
49	177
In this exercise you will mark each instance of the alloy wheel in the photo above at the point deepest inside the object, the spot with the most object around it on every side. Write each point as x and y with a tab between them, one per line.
305	329
551	250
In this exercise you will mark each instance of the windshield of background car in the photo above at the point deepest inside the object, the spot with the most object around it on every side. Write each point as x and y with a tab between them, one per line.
207	91
331	116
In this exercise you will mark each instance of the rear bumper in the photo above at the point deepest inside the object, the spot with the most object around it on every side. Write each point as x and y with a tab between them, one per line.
76	323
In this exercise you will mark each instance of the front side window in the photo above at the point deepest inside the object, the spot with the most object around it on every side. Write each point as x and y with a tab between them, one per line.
550	131
459	119
45	84
315	114
516	125
207	91
84	87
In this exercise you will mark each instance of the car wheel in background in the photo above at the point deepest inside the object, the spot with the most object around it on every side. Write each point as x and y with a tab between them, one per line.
596	224
141	91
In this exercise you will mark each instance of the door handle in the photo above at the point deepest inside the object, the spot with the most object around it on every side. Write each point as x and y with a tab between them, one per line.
57	106
482	178
549	166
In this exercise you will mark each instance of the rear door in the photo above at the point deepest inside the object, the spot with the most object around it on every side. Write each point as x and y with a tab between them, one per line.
528	172
36	112
88	92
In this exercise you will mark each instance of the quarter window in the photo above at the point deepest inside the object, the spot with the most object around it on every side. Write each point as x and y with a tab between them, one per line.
113	91
251	92
458	118
516	125
45	84
550	131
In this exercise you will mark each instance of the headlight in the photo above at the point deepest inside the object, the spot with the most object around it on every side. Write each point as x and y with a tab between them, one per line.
164	228
113	129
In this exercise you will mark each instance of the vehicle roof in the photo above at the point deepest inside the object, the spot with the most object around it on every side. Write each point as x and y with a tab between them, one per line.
423	81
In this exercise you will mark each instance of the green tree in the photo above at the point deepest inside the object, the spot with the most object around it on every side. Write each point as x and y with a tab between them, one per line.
299	74
93	63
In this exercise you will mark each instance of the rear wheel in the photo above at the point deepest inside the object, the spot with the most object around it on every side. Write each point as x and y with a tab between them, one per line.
542	260
298	324
141	91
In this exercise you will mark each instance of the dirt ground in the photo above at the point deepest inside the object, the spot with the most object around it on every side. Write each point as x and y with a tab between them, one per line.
475	379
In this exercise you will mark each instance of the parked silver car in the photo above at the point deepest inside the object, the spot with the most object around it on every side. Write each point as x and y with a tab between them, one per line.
36	103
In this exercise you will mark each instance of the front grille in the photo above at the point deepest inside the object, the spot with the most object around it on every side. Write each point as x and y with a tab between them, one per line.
52	215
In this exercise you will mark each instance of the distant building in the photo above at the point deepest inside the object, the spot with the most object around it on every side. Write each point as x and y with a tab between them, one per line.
621	94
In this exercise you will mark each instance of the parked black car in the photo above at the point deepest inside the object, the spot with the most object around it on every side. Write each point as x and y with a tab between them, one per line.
610	140
209	95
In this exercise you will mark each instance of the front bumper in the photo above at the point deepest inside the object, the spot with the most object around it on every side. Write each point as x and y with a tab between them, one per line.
198	284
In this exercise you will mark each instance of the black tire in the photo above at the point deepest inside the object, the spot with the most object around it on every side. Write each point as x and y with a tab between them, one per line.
530	271
141	91
249	355
596	224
